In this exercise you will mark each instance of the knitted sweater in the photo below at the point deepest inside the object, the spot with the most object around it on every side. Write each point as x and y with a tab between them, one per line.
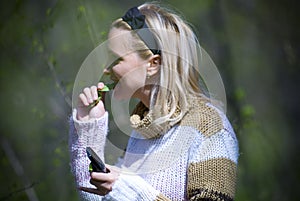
195	159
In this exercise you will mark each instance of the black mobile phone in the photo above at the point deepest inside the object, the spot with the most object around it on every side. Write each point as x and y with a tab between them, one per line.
97	164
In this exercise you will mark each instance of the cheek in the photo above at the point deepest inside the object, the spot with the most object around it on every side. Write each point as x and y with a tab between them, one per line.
130	82
133	71
117	71
135	78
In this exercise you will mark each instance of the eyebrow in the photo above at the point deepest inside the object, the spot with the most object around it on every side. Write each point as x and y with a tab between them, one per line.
113	54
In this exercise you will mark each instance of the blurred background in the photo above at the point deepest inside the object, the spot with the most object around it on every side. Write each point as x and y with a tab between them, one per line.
255	45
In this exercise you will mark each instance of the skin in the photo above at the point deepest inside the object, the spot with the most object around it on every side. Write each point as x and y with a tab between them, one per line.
130	72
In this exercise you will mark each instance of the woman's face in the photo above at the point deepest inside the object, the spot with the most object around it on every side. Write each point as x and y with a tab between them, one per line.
129	70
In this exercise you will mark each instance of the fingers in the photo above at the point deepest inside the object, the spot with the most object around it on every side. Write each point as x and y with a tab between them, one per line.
100	85
102	186
83	100
90	103
113	168
103	177
102	181
89	95
94	92
94	191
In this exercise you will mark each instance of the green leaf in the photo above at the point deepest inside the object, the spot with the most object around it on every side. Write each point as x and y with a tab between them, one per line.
90	168
105	88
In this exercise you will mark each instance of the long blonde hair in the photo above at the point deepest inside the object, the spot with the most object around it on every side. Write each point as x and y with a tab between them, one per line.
178	76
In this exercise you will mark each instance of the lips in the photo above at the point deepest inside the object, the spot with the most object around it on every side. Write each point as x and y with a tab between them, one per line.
113	82
114	79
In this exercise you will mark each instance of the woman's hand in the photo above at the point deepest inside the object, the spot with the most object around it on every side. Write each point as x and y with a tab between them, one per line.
85	99
103	181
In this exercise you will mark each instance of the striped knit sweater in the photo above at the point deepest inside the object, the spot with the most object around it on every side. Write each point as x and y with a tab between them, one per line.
194	160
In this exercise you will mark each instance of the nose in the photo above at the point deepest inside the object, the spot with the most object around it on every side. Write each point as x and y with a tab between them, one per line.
106	71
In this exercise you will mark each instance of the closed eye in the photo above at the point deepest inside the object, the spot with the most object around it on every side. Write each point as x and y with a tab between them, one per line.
117	61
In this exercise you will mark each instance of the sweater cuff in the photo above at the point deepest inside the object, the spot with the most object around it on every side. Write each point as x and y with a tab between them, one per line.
130	187
85	127
91	133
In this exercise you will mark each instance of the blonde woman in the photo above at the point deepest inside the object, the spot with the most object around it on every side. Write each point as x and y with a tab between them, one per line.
182	147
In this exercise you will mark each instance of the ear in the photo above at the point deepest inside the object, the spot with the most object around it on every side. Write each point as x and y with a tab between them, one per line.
153	65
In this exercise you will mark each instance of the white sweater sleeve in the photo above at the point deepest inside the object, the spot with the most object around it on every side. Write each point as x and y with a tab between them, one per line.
128	187
91	133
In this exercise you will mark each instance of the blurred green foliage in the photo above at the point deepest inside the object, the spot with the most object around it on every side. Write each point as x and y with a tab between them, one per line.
255	44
